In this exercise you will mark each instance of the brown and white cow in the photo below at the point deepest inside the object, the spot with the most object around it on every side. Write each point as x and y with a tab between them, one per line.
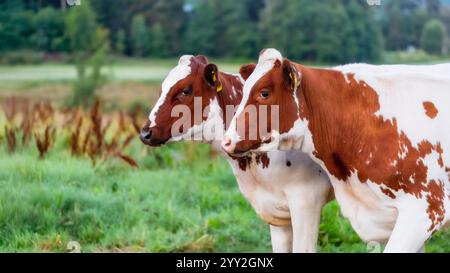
287	189
382	133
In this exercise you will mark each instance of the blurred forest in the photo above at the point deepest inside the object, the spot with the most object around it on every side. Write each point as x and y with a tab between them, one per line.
326	31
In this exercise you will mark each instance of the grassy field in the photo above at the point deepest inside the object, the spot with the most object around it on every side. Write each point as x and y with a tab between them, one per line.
171	206
182	197
121	70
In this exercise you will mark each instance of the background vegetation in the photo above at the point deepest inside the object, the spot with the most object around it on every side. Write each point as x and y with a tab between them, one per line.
321	31
76	83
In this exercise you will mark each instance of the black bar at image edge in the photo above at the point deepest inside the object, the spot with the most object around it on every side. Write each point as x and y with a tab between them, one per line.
226	262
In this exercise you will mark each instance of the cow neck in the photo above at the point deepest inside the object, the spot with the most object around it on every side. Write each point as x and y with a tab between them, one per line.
323	105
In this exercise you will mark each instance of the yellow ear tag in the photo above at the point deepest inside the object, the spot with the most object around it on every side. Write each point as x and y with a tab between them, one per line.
293	78
219	86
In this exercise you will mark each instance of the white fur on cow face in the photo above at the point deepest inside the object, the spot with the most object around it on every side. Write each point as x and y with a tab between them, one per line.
266	62
179	72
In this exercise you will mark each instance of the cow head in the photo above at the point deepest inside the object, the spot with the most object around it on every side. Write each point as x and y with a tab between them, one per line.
188	102
275	82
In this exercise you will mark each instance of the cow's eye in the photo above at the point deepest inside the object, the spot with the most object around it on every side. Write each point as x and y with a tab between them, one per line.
264	94
187	91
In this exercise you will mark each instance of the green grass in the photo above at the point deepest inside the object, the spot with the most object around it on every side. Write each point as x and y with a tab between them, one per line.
167	205
154	71
45	204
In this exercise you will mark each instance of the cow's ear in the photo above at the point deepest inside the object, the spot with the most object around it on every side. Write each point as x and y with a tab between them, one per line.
246	70
291	74
211	74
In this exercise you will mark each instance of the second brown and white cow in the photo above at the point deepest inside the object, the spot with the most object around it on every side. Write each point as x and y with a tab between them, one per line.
287	189
382	133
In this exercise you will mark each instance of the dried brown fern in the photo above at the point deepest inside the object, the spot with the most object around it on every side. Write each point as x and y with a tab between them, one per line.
10	134
122	125
127	159
27	125
45	141
75	138
134	117
44	111
84	148
96	126
10	109
127	141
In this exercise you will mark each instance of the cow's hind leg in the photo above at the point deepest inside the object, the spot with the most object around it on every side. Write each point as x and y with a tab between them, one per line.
281	238
411	229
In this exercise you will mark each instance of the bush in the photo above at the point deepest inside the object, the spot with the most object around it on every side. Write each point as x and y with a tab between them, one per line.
434	37
404	57
89	78
89	48
139	36
158	46
80	28
21	57
16	28
120	42
49	24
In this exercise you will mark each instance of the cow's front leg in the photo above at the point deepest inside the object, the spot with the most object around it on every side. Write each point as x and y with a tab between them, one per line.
422	249
305	207
281	238
411	230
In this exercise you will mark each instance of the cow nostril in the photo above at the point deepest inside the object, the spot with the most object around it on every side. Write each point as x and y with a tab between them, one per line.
227	142
146	134
228	145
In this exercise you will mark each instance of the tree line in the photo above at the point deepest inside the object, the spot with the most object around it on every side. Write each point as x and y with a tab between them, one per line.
321	31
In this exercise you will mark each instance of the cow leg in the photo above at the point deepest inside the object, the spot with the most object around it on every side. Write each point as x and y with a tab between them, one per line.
410	231
281	238
305	207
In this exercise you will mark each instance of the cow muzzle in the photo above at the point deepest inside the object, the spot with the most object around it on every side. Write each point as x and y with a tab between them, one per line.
228	145
146	135
240	148
149	136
